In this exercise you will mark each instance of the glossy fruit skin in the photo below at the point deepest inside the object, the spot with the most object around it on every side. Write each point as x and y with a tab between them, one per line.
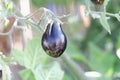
54	40
97	2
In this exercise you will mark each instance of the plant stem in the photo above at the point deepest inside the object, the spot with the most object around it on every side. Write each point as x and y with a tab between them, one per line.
74	67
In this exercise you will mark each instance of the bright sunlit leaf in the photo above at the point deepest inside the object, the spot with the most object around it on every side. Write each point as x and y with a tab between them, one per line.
118	53
93	74
10	6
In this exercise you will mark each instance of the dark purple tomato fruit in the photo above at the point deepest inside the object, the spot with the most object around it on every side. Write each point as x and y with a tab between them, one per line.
97	2
54	40
0	74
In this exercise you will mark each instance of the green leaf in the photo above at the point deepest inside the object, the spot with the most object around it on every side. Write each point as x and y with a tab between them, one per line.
19	56
27	75
6	9
51	73
6	73
10	6
104	22
32	56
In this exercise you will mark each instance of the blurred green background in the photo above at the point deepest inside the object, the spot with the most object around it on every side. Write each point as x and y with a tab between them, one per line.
92	53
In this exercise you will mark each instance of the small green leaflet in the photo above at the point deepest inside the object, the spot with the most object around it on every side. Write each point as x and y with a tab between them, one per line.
104	22
118	17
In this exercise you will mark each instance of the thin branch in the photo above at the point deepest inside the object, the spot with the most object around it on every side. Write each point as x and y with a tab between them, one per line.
30	22
35	12
63	16
34	25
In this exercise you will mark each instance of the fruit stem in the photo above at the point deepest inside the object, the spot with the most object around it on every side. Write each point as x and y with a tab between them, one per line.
30	22
35	25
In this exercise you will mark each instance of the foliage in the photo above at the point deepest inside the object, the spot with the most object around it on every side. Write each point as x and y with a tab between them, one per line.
6	73
104	22
95	51
32	55
33	58
99	58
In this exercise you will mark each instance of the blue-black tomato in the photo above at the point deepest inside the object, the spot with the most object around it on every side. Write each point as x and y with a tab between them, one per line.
54	40
97	2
